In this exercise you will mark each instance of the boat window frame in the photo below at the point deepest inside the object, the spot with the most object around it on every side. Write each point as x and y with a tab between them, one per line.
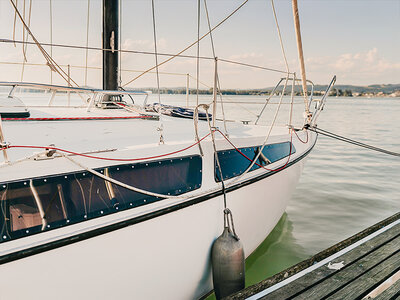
189	163
267	147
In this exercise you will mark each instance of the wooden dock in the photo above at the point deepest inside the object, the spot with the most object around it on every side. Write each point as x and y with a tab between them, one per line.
364	266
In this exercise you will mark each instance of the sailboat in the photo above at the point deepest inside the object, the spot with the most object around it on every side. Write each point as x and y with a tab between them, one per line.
103	198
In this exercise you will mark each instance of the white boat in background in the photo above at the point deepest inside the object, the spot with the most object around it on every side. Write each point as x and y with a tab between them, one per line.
103	199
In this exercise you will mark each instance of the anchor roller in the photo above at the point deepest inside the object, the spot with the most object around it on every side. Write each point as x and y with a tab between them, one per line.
227	259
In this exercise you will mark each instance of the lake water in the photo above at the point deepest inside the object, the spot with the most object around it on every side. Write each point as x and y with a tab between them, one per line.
343	189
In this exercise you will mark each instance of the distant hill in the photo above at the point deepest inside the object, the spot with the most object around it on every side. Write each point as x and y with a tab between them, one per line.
340	90
373	88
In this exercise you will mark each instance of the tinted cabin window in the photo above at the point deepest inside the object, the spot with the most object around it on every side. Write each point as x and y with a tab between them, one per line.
23	212
234	163
45	203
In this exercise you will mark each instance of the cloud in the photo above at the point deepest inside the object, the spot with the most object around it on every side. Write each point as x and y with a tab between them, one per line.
369	61
252	56
95	58
356	68
144	45
371	55
345	62
133	61
261	60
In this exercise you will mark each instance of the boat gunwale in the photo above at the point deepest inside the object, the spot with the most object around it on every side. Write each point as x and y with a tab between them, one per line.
141	218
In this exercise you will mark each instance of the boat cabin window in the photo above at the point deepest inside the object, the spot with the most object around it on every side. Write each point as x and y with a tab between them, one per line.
40	204
234	163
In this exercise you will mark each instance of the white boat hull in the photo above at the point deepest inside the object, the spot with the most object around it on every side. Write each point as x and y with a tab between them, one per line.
158	250
167	257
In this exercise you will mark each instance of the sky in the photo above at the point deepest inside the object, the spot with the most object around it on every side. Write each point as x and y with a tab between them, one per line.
357	40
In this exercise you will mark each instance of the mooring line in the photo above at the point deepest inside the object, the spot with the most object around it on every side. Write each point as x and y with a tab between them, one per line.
351	141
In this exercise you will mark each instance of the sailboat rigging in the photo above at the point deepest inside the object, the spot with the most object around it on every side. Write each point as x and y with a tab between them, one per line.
110	194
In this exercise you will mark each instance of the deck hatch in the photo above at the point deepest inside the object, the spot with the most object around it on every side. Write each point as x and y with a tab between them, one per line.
13	107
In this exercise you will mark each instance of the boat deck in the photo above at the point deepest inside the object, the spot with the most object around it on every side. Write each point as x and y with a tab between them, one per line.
115	133
365	266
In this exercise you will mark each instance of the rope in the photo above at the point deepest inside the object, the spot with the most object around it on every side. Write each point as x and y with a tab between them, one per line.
155	50
304	142
201	82
11	163
191	45
103	49
26	39
145	192
286	63
120	42
280	37
292	100
119	183
129	187
51	62
94	68
353	142
212	132
131	108
104	158
87	42
196	124
209	28
215	57
107	178
3	144
23	33
51	39
77	118
227	211
267	137
252	66
147	53
222	105
232	101
198	54
253	161
15	21
160	127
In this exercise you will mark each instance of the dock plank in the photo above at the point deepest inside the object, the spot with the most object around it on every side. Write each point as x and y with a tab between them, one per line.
369	268
392	292
368	281
349	273
312	279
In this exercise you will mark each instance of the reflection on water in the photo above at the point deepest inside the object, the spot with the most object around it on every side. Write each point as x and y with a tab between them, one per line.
278	251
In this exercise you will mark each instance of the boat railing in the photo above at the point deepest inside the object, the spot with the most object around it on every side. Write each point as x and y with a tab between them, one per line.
275	89
321	102
94	95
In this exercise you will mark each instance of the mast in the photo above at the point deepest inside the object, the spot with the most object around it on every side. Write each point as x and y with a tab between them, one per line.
110	42
300	52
